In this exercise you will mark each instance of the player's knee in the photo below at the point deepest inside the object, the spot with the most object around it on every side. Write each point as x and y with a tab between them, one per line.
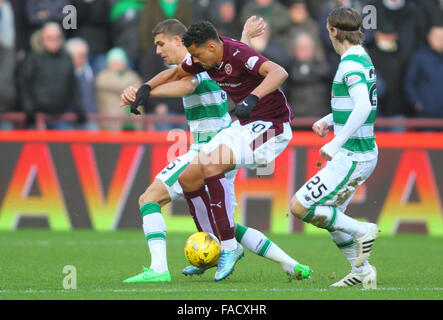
297	209
154	193
186	181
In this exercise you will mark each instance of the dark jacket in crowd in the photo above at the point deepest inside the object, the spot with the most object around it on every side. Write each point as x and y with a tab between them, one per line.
48	83
7	87
391	69
94	24
424	81
309	92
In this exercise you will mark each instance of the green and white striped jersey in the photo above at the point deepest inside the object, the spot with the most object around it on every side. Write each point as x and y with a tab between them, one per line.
206	110
355	68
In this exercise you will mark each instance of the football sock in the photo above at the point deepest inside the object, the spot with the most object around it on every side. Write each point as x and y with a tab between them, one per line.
346	244
198	203
154	228
331	218
221	207
258	243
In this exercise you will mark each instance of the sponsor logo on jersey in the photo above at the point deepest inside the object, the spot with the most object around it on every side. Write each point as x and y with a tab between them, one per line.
350	80
228	68
250	64
231	85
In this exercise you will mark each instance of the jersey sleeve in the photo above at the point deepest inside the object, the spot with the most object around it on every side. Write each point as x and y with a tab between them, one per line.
353	75
190	66
249	59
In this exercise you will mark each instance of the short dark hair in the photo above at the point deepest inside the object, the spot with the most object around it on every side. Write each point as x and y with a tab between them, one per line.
348	23
170	27
200	33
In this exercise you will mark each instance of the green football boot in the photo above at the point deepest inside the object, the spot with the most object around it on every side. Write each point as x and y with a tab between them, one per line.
149	275
302	272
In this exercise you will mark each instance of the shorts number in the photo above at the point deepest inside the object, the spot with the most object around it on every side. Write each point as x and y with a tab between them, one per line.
256	128
320	188
173	164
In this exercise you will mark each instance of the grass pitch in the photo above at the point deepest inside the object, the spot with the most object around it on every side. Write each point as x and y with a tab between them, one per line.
32	262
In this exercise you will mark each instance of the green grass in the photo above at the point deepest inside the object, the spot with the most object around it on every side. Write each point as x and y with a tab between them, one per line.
31	267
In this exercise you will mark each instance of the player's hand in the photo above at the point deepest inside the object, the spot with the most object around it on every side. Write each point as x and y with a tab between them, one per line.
244	108
141	98
128	96
254	27
324	155
321	129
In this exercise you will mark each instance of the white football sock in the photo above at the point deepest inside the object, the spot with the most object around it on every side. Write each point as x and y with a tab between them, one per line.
345	243
331	218
154	228
258	243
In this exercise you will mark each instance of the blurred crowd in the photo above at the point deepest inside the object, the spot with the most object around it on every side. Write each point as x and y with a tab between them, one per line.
54	59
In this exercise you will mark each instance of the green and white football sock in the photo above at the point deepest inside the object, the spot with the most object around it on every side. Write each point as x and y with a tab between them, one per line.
346	244
331	218
154	228
258	243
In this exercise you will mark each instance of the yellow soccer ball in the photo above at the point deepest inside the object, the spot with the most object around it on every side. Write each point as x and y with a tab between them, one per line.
202	249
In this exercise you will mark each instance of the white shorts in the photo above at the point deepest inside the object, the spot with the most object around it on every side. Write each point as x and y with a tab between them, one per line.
336	183
255	144
169	176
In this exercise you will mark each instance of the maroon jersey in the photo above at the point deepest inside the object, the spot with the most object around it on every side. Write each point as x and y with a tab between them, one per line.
238	76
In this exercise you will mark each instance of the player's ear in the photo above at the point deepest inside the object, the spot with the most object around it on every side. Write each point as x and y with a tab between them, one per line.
177	40
211	46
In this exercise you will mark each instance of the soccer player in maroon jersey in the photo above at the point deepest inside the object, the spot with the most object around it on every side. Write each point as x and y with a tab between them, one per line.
261	134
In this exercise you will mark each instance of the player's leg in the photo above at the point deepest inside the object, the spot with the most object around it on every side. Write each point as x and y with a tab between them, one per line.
256	242
154	228
163	189
213	166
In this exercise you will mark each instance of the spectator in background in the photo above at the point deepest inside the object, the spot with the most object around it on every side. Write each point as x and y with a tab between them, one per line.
407	19
390	64
434	12
308	79
31	15
272	50
7	62
125	20
424	78
109	84
78	49
315	7
274	13
303	23
222	14
93	25
47	79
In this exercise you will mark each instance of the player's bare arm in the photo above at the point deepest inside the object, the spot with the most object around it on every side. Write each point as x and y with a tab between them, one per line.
174	89
274	75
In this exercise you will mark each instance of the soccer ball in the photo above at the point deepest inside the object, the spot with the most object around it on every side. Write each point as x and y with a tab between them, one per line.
202	249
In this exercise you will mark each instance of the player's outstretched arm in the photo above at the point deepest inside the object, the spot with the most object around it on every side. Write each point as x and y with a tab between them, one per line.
253	27
176	89
274	75
168	75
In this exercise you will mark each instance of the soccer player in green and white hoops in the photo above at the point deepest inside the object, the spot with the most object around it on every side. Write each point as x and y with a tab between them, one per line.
352	154
206	109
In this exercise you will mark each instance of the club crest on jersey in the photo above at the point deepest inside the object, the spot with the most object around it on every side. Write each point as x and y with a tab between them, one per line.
353	79
228	68
250	64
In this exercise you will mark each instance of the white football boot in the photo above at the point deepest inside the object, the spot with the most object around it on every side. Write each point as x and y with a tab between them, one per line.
364	244
367	279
